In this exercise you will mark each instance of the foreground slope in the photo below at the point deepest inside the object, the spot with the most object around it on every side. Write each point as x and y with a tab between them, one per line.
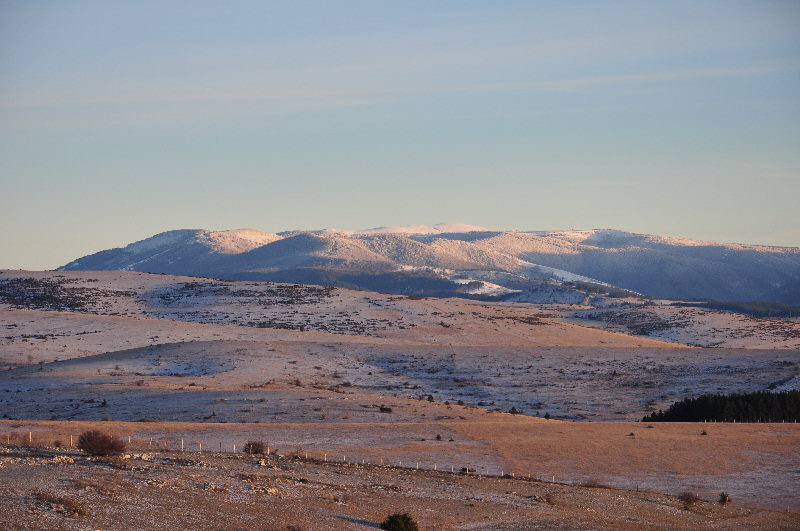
169	490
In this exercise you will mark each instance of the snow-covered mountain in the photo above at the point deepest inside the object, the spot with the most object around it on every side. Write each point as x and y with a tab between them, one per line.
187	251
451	259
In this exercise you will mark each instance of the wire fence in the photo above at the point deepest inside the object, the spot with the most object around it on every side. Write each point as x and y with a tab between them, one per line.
59	442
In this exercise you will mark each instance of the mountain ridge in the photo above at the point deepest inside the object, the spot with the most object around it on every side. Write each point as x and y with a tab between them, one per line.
405	259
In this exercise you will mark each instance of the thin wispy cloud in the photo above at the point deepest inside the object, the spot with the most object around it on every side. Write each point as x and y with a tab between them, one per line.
374	95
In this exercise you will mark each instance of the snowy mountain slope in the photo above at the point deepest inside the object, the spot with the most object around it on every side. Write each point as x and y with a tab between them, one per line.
675	268
187	251
310	250
235	241
658	266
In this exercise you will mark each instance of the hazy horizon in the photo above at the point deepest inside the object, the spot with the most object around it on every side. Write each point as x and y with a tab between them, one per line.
119	121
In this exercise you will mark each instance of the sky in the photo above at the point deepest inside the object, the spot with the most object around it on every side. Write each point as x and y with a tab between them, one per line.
120	120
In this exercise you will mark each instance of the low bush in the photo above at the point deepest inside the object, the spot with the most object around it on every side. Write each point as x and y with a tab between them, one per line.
254	447
688	499
95	442
60	504
594	483
399	522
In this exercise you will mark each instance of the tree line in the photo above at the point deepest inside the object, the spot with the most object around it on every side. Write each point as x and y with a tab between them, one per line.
760	406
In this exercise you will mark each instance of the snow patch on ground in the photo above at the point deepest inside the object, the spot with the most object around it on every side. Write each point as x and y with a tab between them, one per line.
565	276
485	288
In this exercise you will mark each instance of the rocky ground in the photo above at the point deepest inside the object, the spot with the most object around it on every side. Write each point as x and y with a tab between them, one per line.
60	489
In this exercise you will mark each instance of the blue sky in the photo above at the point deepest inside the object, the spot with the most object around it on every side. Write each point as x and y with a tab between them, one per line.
119	120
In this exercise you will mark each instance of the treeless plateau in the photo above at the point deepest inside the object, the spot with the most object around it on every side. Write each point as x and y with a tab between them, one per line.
379	386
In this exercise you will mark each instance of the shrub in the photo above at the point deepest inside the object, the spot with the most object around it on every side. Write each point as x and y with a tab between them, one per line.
95	442
399	522
254	447
60	504
723	498
688	499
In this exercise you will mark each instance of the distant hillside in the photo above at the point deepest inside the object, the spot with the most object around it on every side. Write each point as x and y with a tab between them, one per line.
545	266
